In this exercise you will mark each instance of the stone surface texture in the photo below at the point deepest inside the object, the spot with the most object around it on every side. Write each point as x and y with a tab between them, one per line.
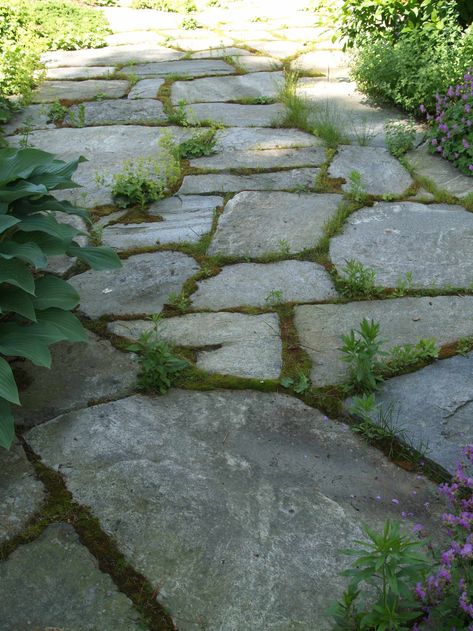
145	89
210	90
121	112
261	158
228	183
51	91
247	491
234	114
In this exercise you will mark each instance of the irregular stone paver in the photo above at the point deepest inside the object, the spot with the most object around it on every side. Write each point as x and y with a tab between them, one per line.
133	37
333	64
432	242
241	139
193	44
441	172
291	221
229	51
228	183
145	89
122	112
50	91
247	345
279	49
263	159
260	285
184	218
64	588
210	90
80	373
30	118
433	407
21	493
380	172
125	20
142	285
402	321
110	56
189	67
258	63
248	492
235	115
76	72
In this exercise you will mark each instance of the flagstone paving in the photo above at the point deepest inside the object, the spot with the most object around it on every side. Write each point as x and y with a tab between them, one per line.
231	504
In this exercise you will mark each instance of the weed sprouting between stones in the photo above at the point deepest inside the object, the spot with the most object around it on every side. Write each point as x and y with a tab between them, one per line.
361	351
399	136
357	280
201	143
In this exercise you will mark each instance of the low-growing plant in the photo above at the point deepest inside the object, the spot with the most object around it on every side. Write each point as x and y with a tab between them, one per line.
76	116
399	136
362	350
179	301
465	345
146	180
178	115
284	247
201	143
401	357
357	191
356	280
297	108
172	6
451	133
403	285
157	362
274	297
300	385
35	306
56	112
190	24
328	123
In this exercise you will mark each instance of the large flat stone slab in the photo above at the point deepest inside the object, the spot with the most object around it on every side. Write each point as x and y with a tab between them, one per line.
277	48
291	221
30	118
141	285
187	67
248	492
125	20
55	582
434	407
246	345
228	183
259	285
333	64
184	219
80	373
220	52
145	89
262	159
120	111
258	63
78	72
259	138
110	56
402	321
21	493
212	90
440	172
432	242
381	173
50	91
234	114
193	44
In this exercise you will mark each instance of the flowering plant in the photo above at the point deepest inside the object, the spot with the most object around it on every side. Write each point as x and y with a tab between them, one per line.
451	134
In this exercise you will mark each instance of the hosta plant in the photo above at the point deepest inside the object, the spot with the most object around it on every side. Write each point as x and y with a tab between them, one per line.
35	305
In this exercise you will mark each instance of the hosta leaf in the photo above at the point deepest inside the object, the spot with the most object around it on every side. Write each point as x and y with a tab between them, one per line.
20	163
20	189
48	202
51	246
8	389
53	292
48	224
63	323
7	221
28	252
57	174
17	301
7	425
98	258
16	273
25	341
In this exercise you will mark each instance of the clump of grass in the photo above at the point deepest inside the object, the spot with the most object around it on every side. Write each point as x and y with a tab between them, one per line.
327	123
190	24
56	112
399	136
356	280
357	191
201	143
297	108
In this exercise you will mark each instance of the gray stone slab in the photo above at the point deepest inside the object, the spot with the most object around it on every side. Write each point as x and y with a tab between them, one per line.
145	89
240	345
259	285
333	64
434	407
381	173
277	48
441	172
119	111
142	285
125	20
188	67
50	91
261	159
290	220
30	118
133	37
246	489
78	72
432	242
228	183
110	56
259	138
80	373
226	51
211	90
21	493
258	63
193	44
235	115
54	582
402	321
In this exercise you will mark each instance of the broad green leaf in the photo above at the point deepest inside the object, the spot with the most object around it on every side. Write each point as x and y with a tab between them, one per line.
63	323
8	389
24	341
53	292
48	224
7	221
7	425
48	202
51	246
28	252
20	163
19	189
16	273
17	301
99	258
57	174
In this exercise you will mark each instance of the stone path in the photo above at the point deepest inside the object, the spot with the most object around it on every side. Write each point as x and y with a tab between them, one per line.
229	496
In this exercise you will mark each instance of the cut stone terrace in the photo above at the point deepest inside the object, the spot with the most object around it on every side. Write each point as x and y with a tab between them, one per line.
228	498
